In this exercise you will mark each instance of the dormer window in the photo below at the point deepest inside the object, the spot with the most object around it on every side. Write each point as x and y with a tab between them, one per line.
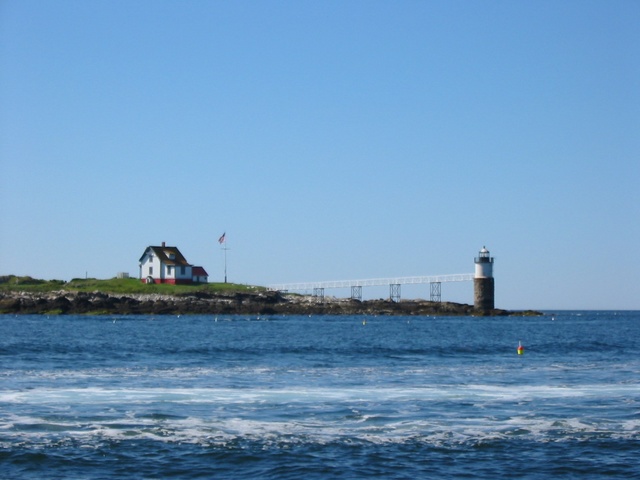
170	255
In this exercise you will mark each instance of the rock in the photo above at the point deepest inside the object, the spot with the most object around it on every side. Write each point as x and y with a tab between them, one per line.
262	303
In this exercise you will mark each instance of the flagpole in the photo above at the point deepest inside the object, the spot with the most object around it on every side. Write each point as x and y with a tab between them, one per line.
225	261
223	241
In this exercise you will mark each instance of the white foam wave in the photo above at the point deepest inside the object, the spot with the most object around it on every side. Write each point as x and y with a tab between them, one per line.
219	416
433	414
479	394
199	431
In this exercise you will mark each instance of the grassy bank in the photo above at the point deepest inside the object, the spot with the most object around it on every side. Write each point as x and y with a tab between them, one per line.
12	283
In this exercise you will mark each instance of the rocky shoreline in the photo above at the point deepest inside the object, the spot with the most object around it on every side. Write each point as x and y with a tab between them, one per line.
258	303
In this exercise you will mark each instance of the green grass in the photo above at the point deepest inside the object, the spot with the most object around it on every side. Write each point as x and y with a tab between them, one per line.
115	285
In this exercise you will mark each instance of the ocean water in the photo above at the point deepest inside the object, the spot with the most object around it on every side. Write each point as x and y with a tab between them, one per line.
320	397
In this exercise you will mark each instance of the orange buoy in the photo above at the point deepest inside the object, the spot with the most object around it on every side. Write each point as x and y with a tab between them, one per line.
520	349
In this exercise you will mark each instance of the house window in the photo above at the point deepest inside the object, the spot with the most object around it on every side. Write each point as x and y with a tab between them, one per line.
150	270
181	270
169	269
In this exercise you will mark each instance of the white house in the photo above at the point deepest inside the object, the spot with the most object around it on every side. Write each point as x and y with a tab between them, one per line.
162	264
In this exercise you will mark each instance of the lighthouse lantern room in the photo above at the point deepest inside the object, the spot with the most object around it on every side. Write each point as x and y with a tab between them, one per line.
484	264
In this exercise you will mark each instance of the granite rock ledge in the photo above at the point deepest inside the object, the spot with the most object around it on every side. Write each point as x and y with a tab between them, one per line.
259	303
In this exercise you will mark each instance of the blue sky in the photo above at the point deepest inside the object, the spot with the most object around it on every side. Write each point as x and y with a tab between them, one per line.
330	140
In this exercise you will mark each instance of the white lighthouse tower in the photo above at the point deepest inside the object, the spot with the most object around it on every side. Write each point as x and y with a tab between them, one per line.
483	285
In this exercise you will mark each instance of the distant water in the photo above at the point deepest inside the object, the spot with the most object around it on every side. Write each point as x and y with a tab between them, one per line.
320	397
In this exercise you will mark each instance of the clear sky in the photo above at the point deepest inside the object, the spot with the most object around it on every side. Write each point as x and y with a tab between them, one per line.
330	140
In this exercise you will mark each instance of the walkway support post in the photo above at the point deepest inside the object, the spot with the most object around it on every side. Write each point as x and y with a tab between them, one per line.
436	291
356	292
319	294
394	292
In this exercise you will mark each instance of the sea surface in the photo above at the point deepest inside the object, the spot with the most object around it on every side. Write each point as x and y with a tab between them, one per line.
320	397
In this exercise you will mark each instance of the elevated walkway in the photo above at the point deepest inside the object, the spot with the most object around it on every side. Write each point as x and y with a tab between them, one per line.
356	285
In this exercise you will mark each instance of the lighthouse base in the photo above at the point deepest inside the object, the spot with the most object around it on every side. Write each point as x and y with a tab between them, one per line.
483	293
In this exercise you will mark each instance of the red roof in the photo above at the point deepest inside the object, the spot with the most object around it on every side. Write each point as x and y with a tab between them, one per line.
199	272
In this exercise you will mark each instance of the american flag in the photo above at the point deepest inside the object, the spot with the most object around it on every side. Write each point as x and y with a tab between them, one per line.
222	238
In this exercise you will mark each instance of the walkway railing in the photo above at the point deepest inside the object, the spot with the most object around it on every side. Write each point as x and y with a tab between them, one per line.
356	285
373	282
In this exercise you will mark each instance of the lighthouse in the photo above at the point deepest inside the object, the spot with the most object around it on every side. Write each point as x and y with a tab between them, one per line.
483	287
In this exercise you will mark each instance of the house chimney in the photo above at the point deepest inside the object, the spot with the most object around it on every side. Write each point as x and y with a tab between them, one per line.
163	244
